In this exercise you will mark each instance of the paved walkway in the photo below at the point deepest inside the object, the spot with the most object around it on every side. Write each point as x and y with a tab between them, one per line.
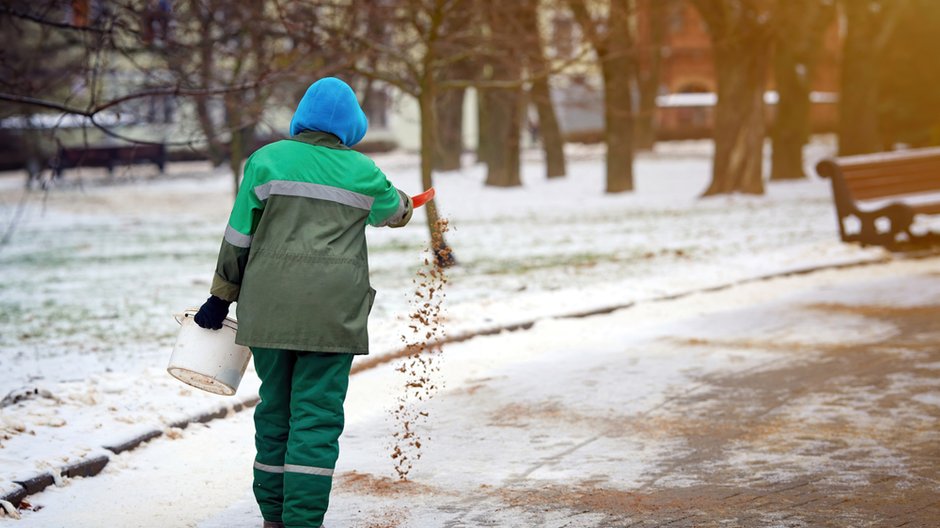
830	418
802	402
850	436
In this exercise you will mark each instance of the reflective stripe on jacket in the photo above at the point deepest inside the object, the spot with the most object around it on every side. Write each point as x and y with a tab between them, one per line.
294	252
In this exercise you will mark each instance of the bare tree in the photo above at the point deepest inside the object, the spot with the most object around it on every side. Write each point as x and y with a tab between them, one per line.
449	103
30	31
869	24
540	92
649	66
225	58
503	106
423	45
799	27
215	42
741	40
609	35
909	102
449	134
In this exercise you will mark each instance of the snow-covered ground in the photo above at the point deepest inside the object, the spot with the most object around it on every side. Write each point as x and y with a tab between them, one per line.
93	273
660	413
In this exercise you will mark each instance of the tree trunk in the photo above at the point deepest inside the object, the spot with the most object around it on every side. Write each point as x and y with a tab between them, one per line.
648	73
618	130
449	129
739	116
616	68
502	113
858	98
236	147
646	116
235	157
443	255
505	127
485	140
791	122
549	131
504	106
206	65
553	143
800	26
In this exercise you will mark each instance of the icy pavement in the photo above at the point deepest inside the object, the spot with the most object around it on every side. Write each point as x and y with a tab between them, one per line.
802	401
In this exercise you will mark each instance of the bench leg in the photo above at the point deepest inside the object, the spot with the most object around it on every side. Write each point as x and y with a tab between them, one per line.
899	218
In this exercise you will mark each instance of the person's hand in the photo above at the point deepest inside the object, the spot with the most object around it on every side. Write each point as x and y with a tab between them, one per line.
406	216
212	313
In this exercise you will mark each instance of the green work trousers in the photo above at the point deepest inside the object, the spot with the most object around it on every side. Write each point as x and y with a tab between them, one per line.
297	428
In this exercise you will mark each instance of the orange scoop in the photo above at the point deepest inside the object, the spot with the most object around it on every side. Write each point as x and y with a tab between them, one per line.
420	199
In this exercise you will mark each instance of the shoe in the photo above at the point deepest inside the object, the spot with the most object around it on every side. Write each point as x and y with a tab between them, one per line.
272	524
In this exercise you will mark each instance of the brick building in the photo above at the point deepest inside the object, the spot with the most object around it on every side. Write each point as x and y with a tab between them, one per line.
687	85
687	68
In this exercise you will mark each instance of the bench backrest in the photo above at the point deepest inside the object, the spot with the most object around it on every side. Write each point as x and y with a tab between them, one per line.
103	155
89	156
135	152
872	176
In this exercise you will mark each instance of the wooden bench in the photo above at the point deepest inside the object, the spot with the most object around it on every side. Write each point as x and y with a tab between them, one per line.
877	196
109	157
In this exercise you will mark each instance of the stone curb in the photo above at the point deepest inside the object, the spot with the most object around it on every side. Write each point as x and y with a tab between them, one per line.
373	362
90	467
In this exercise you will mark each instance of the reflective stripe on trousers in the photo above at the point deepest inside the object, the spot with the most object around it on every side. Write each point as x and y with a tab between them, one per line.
297	427
294	468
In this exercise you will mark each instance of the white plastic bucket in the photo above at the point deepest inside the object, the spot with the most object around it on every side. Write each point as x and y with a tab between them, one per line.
208	359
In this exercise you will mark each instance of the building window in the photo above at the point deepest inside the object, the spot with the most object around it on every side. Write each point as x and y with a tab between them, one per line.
375	107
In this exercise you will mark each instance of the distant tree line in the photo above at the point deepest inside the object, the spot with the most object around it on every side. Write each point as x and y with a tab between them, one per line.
230	61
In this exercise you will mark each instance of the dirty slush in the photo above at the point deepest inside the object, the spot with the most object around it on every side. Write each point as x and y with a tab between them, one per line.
422	364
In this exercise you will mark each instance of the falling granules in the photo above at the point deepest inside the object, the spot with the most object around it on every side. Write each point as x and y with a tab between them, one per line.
422	364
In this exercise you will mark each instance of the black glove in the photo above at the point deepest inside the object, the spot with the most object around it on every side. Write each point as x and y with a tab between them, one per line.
212	313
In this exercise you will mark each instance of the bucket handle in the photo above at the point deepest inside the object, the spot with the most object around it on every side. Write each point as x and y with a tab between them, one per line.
191	312
186	313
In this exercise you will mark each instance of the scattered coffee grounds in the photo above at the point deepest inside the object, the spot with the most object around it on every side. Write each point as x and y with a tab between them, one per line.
422	363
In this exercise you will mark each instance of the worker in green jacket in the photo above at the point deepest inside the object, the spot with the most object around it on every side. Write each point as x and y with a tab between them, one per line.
294	257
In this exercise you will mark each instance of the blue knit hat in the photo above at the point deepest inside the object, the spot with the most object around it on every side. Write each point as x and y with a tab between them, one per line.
330	105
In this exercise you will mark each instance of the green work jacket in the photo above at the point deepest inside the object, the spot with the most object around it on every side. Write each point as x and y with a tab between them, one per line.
294	253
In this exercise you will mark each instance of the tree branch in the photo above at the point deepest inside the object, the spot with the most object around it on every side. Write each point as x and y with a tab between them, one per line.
588	26
7	10
92	110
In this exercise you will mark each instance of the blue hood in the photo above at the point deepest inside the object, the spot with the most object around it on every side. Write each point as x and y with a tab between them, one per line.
330	105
